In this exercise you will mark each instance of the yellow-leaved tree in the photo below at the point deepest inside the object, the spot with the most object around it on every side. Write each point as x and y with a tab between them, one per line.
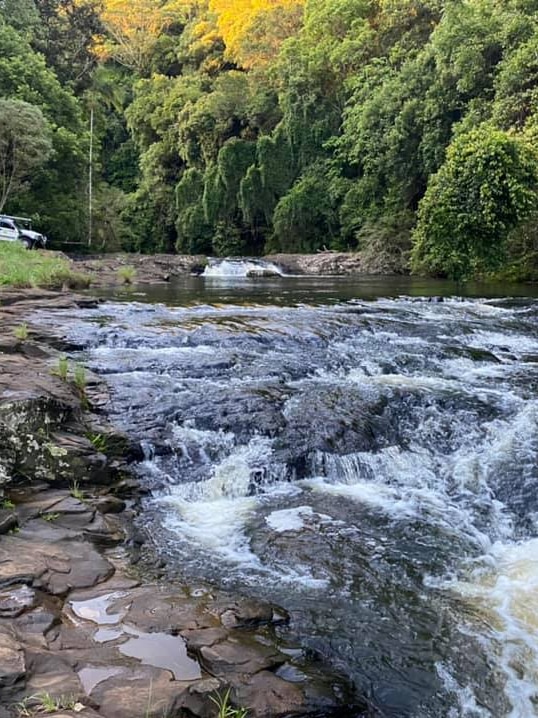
133	27
253	30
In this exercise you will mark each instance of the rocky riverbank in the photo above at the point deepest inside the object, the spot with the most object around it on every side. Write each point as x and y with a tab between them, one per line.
82	630
110	269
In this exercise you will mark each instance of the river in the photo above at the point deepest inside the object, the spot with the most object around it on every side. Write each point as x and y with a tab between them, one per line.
361	451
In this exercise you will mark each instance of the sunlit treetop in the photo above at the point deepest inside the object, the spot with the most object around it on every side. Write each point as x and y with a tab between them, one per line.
253	30
133	27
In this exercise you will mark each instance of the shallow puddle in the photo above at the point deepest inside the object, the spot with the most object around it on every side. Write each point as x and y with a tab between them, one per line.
162	651
92	676
96	609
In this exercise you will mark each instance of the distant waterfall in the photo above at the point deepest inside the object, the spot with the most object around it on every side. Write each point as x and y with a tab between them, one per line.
241	268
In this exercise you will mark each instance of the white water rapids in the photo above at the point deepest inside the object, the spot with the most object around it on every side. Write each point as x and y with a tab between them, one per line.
372	466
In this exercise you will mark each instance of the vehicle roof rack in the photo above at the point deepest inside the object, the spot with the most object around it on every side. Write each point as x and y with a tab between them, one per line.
20	219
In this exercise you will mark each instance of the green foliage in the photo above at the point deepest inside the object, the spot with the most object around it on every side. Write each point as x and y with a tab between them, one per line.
45	702
21	268
99	442
328	124
25	146
127	274
226	710
62	368
76	492
21	332
55	193
486	187
304	219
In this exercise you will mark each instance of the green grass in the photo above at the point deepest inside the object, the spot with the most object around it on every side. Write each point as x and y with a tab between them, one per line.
21	332
50	516
79	377
22	268
225	709
45	703
99	441
62	369
127	274
76	492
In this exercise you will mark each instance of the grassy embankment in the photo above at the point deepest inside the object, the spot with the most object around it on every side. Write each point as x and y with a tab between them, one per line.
22	268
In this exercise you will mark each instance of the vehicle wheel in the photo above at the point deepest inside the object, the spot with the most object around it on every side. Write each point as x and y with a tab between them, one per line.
26	243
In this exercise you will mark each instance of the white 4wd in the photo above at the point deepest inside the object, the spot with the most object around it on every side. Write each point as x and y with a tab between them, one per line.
19	229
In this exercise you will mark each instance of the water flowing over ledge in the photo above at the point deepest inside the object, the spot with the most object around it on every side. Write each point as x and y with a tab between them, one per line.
241	268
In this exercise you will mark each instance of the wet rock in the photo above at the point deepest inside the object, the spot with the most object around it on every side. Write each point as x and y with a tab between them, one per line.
12	661
16	600
109	504
248	613
196	639
323	263
268	696
33	625
239	656
8	521
139	693
57	684
64	566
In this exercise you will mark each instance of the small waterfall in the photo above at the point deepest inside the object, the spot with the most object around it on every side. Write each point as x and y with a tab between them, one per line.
241	268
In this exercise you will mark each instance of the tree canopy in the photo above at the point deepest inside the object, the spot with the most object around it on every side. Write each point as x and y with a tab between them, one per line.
403	129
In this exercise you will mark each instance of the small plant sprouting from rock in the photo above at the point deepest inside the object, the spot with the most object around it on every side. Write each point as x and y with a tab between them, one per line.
225	709
46	703
62	370
76	492
79	377
127	274
7	504
99	442
50	516
21	332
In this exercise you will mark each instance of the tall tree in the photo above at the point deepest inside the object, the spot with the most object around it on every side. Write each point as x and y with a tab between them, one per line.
25	146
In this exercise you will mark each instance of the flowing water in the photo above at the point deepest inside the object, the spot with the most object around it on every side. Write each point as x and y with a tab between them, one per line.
356	452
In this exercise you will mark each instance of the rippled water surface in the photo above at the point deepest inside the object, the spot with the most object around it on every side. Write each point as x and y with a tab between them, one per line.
359	453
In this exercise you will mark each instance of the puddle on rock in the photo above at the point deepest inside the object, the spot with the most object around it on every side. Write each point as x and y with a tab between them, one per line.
92	676
162	651
104	635
96	609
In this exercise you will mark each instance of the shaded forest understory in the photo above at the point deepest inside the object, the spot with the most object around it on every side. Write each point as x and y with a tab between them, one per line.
405	129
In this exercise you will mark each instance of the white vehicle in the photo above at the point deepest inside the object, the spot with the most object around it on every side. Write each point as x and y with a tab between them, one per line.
19	229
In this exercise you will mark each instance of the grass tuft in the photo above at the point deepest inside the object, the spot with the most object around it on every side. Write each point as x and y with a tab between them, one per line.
127	274
76	492
225	709
21	332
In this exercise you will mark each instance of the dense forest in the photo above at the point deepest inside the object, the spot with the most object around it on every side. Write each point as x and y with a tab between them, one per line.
406	129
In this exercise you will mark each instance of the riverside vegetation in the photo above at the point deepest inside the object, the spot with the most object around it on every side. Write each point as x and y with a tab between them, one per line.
405	129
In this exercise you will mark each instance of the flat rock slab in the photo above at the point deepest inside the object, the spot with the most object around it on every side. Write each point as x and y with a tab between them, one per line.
140	693
56	568
240	655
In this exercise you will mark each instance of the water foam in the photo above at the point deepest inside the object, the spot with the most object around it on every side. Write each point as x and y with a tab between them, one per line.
241	268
